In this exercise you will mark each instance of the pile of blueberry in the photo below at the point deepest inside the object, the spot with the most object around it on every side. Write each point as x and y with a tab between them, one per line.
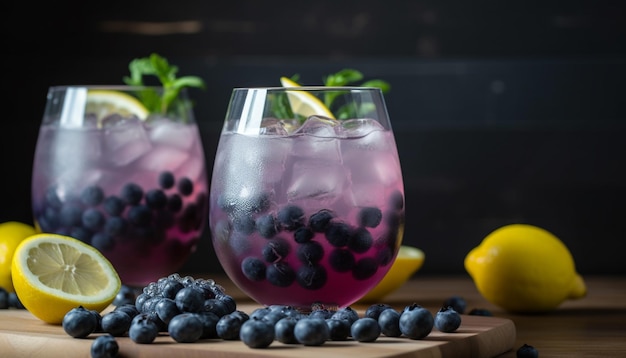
191	309
98	219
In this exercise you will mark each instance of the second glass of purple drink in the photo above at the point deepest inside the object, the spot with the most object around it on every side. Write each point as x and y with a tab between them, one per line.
307	196
128	181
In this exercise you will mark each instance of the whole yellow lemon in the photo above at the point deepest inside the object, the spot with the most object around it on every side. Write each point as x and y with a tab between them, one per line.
524	269
11	234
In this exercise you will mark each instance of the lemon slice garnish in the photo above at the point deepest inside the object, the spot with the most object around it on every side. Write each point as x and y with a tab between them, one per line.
54	273
103	103
303	103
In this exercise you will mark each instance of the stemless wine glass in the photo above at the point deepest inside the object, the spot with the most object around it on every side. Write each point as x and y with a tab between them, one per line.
307	197
127	181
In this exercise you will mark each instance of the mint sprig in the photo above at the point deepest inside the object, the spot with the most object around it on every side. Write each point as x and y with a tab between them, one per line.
158	66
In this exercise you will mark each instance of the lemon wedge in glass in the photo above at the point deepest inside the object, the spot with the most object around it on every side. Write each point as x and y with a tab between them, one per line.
408	261
53	274
303	103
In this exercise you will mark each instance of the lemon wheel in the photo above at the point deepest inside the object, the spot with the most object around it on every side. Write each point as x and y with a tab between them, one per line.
303	103
53	274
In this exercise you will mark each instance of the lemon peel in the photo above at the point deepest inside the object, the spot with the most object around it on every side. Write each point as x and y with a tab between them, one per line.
105	102
524	269
54	273
11	234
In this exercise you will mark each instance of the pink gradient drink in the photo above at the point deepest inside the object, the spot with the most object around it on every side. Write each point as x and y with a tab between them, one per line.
310	214
134	189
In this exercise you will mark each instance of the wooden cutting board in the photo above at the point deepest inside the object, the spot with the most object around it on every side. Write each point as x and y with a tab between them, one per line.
23	335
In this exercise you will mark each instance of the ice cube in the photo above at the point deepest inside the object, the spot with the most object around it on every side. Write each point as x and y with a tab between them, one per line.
316	179
174	134
162	158
319	127
74	148
126	142
273	126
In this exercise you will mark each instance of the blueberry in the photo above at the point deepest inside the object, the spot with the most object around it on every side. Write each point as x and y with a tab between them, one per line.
370	217
71	215
166	309
244	223
228	326
104	346
347	313
98	317
527	351
480	312
310	253
156	199
280	274
128	308
171	287
52	198
276	250
114	206
15	302
273	316
185	186
416	322
115	225
266	226
384	256
283	330
360	241
291	217
140	215
174	203
143	329
189	299
4	298
323	313
81	234
166	180
102	241
389	322
312	277
338	234
185	328
456	302
131	194
141	300
311	331
116	323
259	203
92	219
303	235
365	329
364	268
373	311
341	260
447	320
209	322
79	322
216	306
253	268
338	329
256	333
319	221
92	195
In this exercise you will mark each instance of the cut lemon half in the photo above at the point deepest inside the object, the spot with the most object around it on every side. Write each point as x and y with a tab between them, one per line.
408	261
54	273
303	103
103	103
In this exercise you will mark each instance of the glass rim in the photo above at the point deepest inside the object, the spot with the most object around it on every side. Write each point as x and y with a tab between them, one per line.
309	88
117	87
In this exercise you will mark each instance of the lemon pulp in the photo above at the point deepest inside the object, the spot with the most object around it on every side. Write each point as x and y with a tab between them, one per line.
106	102
303	103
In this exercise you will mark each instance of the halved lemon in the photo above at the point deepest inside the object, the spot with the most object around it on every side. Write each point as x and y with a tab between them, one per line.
105	102
408	261
303	103
54	273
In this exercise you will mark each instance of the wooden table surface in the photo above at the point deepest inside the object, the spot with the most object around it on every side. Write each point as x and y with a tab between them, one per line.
594	326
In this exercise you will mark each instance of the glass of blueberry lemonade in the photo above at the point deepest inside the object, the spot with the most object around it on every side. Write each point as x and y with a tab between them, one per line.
122	168
307	198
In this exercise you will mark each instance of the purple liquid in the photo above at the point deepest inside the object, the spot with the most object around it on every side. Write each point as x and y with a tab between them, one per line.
357	179
79	173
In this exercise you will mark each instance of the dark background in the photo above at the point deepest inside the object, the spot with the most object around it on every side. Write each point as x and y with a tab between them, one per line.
504	111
